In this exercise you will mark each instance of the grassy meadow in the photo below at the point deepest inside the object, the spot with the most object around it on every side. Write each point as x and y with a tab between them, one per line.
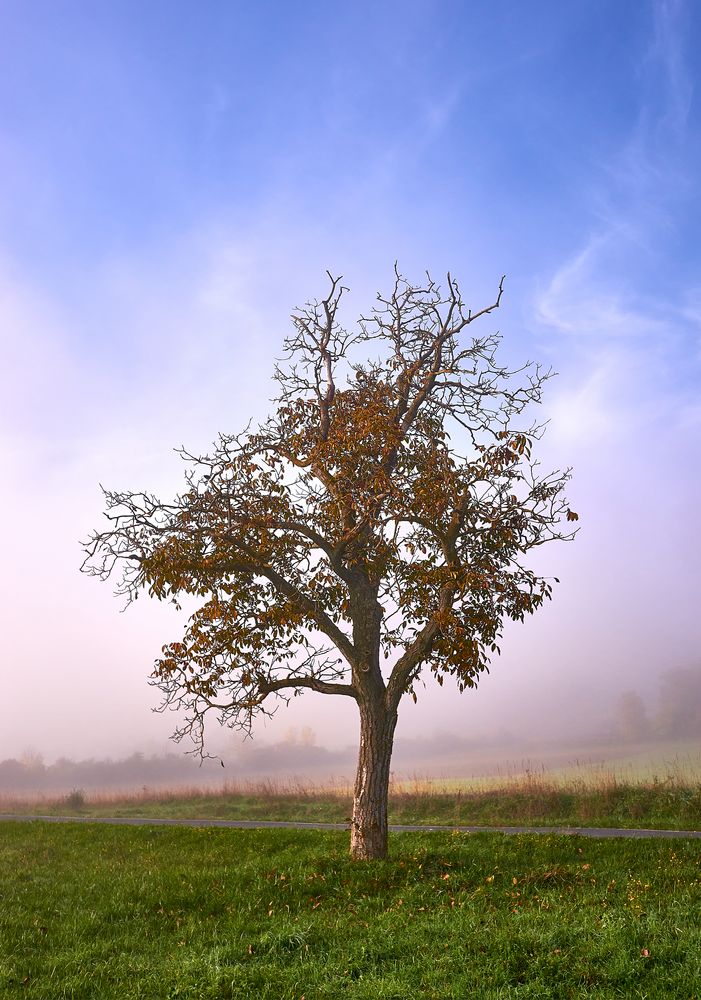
94	911
99	912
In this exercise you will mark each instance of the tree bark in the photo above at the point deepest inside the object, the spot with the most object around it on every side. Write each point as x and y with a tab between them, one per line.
369	822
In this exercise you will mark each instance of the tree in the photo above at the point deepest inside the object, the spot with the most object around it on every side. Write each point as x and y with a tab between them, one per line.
632	721
348	543
679	705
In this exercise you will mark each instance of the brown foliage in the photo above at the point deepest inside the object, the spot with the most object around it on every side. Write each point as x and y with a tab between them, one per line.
373	526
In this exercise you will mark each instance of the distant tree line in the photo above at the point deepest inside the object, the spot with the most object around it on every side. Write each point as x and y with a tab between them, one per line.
296	754
677	713
31	774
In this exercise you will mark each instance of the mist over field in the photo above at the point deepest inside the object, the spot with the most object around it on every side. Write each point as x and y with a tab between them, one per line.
637	739
164	207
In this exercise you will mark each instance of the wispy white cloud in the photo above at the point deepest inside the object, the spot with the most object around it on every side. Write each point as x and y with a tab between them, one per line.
632	339
583	299
666	51
650	170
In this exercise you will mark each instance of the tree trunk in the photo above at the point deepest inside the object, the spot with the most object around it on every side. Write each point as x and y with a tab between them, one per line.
369	823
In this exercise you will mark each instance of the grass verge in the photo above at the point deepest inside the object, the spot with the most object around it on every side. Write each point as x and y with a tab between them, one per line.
152	912
532	799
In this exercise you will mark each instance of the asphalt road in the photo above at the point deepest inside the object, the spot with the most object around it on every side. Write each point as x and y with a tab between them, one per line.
244	824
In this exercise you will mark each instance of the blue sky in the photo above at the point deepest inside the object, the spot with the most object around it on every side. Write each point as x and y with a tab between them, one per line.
175	177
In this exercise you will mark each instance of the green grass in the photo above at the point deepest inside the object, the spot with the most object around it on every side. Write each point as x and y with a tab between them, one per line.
533	799
113	912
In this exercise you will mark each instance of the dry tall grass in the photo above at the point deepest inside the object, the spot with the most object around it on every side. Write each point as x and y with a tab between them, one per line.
584	793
